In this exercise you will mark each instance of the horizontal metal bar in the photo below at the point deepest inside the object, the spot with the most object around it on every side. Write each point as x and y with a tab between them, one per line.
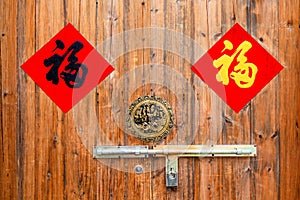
207	150
172	153
178	150
120	152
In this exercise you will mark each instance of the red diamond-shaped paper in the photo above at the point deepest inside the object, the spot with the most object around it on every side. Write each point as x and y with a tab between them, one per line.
67	68
237	67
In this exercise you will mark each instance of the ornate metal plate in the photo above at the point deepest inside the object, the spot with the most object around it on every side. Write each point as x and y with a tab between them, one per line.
150	118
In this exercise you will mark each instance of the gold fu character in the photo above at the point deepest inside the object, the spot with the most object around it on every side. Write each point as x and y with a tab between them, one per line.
243	73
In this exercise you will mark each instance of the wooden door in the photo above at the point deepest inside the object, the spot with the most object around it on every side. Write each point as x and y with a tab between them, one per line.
46	154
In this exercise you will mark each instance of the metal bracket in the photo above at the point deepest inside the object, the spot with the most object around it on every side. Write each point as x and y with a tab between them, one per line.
172	153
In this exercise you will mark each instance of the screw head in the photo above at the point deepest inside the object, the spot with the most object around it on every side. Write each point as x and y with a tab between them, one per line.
138	169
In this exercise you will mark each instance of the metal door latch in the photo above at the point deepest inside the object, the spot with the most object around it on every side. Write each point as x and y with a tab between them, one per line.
172	153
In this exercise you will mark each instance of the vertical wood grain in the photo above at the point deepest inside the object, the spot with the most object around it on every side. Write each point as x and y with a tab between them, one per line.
109	22
265	108
26	89
49	155
289	56
236	126
45	154
9	102
204	178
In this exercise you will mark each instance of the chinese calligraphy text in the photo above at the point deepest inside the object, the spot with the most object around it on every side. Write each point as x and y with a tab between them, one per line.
243	73
74	73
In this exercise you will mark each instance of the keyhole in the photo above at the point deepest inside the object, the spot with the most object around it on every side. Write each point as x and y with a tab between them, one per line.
172	174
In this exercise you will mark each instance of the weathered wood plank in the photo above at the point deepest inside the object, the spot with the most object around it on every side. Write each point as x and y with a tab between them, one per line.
157	19
236	126
84	175
265	108
209	125
211	107
9	102
136	15
49	155
26	90
109	22
289	55
80	170
74	179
